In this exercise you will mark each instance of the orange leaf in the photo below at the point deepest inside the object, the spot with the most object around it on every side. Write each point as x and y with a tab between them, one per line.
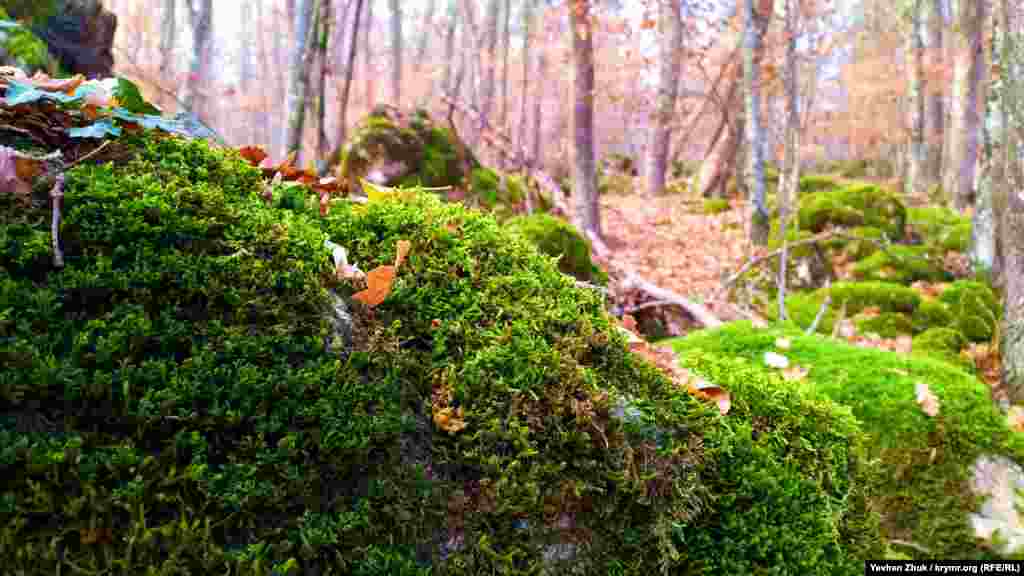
253	154
378	282
648	23
704	389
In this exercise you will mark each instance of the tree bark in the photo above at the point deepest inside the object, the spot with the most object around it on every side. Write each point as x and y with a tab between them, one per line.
490	59
754	25
936	110
371	74
528	9
586	215
396	52
538	100
965	119
789	176
349	69
200	17
505	38
324	19
298	80
671	40
915	183
168	41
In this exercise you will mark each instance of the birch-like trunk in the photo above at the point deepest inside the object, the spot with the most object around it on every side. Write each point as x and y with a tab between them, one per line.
396	52
200	18
936	108
753	27
671	41
349	73
789	176
528	9
540	80
298	77
168	41
964	115
586	217
915	183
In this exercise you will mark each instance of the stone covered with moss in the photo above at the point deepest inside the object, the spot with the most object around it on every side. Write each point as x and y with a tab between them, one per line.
931	314
853	205
173	396
903	264
394	148
940	227
923	493
20	48
559	239
975	308
887	297
817	183
886	324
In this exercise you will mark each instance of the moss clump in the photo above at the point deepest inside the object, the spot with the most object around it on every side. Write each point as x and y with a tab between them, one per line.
175	386
942	343
886	325
854	205
716	205
931	314
21	48
902	264
975	308
801	309
923	493
940	227
816	183
559	239
885	296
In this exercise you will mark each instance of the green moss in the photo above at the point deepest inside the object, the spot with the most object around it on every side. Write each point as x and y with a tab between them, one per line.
940	227
975	308
931	314
802	308
175	385
958	238
25	49
886	325
716	205
862	247
615	183
942	343
854	168
902	264
854	205
817	183
923	493
885	296
559	239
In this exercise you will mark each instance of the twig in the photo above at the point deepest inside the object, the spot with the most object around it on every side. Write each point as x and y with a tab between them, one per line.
92	153
821	311
840	320
56	197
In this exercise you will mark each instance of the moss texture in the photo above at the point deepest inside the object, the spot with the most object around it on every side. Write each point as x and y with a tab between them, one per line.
886	325
902	264
940	227
975	308
817	183
943	343
169	399
716	205
559	239
885	296
24	49
923	493
931	314
854	205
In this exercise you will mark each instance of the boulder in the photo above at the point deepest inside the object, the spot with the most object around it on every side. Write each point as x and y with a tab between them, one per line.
198	385
80	33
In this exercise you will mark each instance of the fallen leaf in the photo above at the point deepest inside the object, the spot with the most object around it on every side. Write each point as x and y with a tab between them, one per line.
378	286
703	389
401	252
1015	418
928	401
253	154
794	373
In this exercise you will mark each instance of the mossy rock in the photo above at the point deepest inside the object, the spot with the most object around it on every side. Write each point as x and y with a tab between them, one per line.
940	227
177	385
886	324
559	239
975	308
21	48
942	343
885	296
817	183
716	205
902	264
862	243
931	314
923	494
854	205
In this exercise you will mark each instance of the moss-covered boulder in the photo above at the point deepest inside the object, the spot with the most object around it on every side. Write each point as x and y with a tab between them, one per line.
78	33
924	493
941	342
886	324
559	239
173	398
940	227
394	148
817	183
887	297
931	314
21	48
853	205
975	308
903	264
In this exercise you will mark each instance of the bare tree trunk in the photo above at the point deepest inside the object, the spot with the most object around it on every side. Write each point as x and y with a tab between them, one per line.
200	18
325	20
490	59
789	176
168	41
396	52
959	176
718	163
936	112
371	74
449	47
505	38
527	19
755	23
538	103
349	69
421	51
915	183
671	32
587	217
298	82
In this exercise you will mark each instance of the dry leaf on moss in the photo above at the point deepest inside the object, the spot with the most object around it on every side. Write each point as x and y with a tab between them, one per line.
928	401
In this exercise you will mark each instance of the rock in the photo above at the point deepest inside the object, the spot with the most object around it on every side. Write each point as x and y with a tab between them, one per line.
997	480
80	33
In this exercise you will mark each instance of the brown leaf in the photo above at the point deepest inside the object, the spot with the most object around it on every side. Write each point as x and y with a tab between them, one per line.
255	155
378	286
402	252
928	401
704	389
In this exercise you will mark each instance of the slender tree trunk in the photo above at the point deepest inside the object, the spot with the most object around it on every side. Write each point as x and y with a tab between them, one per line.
936	111
789	176
368	68
490	53
298	82
754	25
168	41
200	17
449	47
915	183
506	35
421	52
528	9
349	69
965	119
587	217
670	61
396	52
538	103
322	144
